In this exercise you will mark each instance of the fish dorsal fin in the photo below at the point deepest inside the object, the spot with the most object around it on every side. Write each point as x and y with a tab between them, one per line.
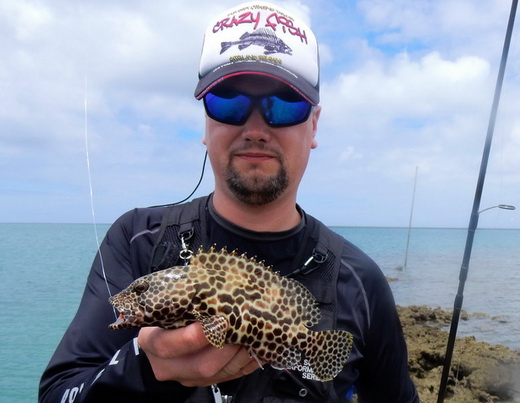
224	260
260	32
266	32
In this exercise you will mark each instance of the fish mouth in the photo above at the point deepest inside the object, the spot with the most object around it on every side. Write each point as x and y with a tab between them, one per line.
118	324
127	319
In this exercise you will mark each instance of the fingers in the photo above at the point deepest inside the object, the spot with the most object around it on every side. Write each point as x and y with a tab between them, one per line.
168	344
241	364
220	365
184	355
252	366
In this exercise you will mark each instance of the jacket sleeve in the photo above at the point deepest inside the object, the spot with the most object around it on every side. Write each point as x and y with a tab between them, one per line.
384	374
93	363
380	356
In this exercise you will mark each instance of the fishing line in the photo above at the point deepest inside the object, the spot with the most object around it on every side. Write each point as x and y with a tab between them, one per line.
91	192
91	187
505	158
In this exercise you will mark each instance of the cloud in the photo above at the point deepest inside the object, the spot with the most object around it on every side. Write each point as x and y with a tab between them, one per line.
404	87
416	111
404	84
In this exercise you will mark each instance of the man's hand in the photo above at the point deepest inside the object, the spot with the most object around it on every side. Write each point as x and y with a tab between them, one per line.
185	355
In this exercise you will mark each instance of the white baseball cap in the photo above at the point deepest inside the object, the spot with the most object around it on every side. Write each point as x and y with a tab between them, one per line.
260	38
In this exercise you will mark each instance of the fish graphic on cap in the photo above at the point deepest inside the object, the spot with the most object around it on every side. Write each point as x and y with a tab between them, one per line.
261	37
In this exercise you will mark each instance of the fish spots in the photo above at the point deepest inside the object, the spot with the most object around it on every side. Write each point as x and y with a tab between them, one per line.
233	338
225	299
237	300
226	309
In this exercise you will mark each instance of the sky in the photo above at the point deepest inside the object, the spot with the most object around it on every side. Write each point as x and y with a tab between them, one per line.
97	114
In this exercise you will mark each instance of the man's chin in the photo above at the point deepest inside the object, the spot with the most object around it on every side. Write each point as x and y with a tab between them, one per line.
256	187
256	192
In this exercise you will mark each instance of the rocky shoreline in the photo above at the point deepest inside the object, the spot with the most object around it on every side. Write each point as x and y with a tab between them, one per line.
480	372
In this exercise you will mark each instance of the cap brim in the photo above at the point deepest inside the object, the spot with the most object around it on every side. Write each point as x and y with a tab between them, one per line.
223	72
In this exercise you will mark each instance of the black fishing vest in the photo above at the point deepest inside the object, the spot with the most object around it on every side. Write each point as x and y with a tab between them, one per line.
316	266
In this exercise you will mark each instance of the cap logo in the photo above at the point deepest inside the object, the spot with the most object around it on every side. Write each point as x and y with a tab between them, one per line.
262	37
272	21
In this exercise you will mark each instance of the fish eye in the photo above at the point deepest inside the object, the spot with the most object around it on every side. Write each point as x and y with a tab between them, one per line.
141	287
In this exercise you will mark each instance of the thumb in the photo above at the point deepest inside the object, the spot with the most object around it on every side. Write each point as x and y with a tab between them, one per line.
172	342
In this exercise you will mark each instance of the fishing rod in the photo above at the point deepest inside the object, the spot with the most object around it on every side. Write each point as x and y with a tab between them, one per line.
410	221
473	222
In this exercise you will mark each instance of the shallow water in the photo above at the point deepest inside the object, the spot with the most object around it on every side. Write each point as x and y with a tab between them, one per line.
43	268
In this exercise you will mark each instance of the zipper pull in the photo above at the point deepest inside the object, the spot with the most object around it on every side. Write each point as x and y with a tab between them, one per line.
216	393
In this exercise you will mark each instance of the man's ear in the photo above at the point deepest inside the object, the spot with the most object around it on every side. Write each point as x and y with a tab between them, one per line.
315	118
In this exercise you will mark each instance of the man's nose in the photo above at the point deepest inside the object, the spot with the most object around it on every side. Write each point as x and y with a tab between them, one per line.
255	127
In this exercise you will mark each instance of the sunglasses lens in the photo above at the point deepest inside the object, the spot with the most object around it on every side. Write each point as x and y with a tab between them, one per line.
230	107
227	107
285	109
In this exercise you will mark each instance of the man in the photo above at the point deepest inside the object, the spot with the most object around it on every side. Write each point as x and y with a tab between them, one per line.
259	81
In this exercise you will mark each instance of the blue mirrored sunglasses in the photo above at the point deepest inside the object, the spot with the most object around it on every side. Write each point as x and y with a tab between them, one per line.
278	110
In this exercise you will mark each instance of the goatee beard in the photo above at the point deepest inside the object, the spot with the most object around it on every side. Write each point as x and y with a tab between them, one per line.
257	190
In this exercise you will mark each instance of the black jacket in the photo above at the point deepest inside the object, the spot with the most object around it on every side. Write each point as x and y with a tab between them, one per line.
95	364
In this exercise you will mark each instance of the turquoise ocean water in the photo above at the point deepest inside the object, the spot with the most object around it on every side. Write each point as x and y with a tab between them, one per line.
43	268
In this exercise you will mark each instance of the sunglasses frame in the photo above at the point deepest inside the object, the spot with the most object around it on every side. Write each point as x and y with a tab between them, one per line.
256	101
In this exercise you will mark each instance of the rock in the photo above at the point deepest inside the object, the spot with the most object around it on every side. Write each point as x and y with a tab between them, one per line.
480	372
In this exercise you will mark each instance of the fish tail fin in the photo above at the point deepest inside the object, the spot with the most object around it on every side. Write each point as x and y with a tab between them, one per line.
225	46
328	352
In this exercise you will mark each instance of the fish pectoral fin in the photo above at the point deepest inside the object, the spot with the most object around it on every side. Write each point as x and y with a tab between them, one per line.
214	327
244	45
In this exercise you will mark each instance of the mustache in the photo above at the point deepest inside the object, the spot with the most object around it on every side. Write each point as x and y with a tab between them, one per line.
260	147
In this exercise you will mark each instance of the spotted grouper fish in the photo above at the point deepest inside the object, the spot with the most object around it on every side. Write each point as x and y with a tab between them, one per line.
237	300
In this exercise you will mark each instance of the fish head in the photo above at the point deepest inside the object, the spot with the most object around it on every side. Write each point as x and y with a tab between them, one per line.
152	300
131	305
285	49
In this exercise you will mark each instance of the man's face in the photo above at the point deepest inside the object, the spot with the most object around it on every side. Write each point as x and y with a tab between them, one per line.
254	162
